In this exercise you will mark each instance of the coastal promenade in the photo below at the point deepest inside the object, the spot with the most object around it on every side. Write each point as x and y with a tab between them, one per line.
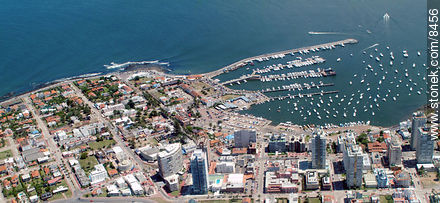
245	61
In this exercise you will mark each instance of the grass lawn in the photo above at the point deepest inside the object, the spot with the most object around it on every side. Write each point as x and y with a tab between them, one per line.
6	154
175	193
314	200
56	196
6	144
282	200
68	193
230	96
386	199
88	163
104	193
101	144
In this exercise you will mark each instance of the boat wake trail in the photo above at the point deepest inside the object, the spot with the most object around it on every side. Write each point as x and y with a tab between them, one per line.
374	45
328	33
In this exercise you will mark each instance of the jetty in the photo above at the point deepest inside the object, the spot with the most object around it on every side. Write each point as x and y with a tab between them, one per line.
302	95
242	79
296	86
301	74
279	54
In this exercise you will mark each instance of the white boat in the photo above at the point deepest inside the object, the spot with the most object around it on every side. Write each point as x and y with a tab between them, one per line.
339	59
405	53
418	53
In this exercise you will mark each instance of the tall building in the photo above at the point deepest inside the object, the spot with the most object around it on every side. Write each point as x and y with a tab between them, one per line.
170	160
297	144
243	138
353	161
199	171
418	120
277	143
394	152
319	153
425	146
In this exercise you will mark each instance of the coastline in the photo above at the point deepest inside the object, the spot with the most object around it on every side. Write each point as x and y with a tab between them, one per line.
132	68
163	67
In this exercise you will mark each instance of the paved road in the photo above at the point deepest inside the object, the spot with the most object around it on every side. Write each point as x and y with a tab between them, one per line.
52	146
117	137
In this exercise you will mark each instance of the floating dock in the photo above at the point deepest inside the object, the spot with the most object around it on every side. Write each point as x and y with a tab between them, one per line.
302	95
301	74
242	79
296	86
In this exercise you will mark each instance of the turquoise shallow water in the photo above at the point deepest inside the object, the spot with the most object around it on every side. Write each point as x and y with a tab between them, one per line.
42	41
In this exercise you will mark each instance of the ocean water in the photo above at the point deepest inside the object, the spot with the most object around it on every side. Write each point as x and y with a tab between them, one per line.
41	41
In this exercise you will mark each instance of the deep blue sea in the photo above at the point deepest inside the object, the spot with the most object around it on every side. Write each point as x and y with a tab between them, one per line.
42	41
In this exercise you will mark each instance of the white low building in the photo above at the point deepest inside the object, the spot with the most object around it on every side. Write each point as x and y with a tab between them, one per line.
98	175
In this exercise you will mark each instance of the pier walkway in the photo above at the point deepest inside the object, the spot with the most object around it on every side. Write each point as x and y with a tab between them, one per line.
296	87
242	78
303	95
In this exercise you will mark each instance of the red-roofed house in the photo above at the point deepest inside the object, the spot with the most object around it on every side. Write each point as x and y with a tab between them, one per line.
54	181
377	147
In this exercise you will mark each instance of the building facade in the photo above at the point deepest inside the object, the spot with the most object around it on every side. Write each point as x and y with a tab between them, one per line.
277	143
170	160
199	170
353	161
394	153
243	138
418	120
425	147
319	153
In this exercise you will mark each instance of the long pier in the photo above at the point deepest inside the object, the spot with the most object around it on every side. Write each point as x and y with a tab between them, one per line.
296	87
242	78
245	61
305	74
303	95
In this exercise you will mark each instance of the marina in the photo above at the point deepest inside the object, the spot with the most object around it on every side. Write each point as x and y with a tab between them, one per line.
299	62
366	99
296	86
303	95
280	54
302	74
